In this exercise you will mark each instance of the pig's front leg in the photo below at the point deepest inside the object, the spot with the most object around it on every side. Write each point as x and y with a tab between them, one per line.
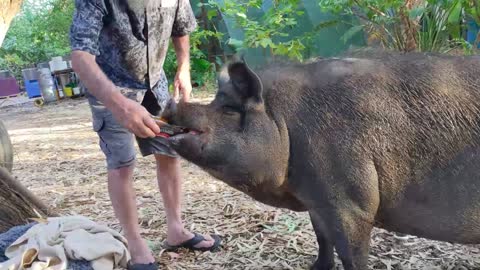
347	203
352	239
325	259
346	229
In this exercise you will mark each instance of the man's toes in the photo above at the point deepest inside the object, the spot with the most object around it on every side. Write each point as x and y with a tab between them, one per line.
208	238
208	242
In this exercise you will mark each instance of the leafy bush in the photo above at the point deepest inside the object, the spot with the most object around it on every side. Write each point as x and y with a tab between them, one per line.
271	30
405	25
38	33
472	11
202	70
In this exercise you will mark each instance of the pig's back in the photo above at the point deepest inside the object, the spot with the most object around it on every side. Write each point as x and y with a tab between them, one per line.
417	117
420	118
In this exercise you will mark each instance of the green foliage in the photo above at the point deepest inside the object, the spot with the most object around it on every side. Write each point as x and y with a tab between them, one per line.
440	26
41	31
38	33
270	31
472	10
202	70
435	24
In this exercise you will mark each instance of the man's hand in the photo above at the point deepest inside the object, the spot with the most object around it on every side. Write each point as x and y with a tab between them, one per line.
182	84
182	81
129	113
135	118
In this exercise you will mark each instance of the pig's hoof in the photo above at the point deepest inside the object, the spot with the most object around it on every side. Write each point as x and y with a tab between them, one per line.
322	265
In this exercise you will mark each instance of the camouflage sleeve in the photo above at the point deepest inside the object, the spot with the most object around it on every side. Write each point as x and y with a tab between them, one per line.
185	21
86	25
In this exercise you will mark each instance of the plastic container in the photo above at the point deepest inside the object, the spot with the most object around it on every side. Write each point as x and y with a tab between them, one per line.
33	89
472	32
77	91
5	74
30	74
47	85
43	65
68	91
58	65
30	80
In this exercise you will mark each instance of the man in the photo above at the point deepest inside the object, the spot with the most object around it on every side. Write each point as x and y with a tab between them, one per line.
118	51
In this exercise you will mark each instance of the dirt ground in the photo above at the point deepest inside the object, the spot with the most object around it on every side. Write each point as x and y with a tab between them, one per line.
58	158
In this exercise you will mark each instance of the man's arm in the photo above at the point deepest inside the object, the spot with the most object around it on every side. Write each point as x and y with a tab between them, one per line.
182	79
182	50
87	23
94	79
129	113
184	23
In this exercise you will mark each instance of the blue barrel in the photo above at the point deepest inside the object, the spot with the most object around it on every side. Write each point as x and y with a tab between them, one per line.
30	79
472	31
33	89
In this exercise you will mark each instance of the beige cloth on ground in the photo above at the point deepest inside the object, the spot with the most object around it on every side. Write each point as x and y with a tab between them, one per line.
48	246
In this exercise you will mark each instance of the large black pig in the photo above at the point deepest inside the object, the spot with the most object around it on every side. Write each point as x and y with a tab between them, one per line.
391	141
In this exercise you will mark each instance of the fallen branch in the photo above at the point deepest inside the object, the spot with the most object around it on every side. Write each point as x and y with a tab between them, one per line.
17	203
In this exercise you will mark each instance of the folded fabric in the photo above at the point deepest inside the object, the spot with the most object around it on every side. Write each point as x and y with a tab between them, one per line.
48	246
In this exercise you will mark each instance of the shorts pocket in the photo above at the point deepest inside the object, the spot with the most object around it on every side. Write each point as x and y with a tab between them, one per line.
98	123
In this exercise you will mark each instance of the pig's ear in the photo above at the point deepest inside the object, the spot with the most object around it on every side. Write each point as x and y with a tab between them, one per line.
246	82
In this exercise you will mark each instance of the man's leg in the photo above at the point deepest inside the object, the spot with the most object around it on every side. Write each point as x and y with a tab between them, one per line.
117	144
170	185
169	179
123	198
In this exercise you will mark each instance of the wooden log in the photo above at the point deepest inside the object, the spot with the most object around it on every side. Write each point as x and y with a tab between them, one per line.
17	203
6	149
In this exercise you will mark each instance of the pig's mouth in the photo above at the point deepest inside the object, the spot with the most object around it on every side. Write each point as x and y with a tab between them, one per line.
169	131
187	142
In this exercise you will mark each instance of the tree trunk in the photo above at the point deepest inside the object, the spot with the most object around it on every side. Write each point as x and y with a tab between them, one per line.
410	28
8	10
17	203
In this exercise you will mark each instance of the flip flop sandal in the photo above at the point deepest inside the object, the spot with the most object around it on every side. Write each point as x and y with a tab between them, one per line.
142	266
190	244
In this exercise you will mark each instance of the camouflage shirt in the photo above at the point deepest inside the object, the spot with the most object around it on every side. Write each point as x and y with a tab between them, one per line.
115	31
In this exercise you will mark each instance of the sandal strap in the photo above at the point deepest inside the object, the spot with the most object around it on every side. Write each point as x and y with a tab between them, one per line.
191	243
140	266
197	238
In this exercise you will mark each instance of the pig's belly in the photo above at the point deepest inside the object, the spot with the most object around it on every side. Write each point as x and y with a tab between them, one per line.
443	205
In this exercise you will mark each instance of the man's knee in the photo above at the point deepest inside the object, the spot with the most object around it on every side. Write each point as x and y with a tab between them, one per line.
121	174
166	163
165	158
120	162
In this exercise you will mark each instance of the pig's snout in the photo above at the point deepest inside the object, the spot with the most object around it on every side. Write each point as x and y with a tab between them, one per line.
170	110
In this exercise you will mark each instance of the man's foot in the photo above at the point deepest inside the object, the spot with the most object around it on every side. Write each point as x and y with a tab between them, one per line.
192	241
139	252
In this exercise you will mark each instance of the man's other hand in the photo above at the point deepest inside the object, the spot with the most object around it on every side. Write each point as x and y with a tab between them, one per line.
182	85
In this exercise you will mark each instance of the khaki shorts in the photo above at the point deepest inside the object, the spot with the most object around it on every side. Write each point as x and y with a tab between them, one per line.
116	142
